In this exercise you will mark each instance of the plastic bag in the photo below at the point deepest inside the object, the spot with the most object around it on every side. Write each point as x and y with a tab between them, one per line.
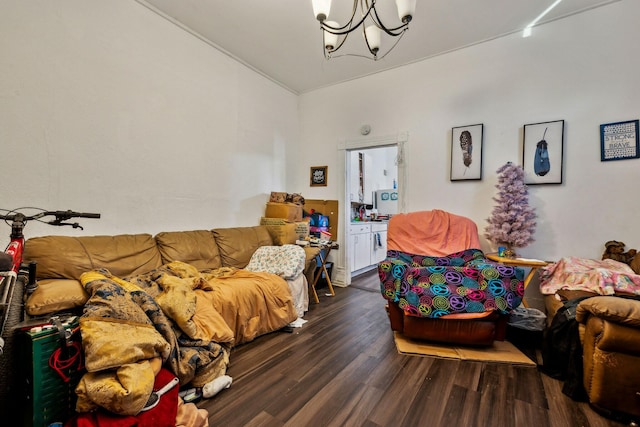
530	319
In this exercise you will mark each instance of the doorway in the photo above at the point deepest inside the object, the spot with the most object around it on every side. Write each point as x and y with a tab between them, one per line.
358	191
370	171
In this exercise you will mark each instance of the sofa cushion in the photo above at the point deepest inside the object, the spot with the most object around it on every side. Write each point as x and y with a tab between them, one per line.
236	245
54	295
64	257
616	309
197	248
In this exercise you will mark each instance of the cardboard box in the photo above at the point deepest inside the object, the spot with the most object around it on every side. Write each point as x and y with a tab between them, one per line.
282	230
289	211
278	197
302	230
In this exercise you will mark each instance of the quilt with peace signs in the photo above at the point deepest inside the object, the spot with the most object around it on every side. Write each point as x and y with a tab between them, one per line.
461	282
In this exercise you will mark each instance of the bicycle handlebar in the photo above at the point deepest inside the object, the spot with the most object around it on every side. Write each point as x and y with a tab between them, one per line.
71	214
60	216
90	215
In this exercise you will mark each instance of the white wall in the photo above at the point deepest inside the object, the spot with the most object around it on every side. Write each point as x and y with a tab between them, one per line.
384	169
582	69
107	107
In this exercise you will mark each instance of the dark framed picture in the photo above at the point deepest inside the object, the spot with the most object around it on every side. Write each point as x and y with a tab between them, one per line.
542	152
619	141
466	153
319	176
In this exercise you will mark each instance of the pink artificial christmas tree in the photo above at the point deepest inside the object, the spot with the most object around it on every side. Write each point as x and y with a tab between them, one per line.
512	221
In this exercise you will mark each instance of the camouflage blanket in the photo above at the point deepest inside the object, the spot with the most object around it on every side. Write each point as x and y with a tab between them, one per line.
129	323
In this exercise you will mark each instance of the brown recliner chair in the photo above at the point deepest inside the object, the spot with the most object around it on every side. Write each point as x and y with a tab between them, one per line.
611	353
440	286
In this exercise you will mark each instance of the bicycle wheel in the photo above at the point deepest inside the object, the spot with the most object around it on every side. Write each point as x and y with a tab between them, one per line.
8	358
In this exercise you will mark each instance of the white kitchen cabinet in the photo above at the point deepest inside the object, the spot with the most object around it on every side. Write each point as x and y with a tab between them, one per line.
360	246
367	244
378	242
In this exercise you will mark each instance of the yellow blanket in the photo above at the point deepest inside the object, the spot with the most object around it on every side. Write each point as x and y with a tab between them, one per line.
127	323
251	303
187	319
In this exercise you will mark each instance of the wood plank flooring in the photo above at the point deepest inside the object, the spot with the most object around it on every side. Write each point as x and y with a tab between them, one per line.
342	369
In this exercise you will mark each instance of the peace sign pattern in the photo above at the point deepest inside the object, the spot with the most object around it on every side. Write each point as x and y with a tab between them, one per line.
462	282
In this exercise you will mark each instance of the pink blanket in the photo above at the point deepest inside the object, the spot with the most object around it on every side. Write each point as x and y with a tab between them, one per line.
604	277
431	233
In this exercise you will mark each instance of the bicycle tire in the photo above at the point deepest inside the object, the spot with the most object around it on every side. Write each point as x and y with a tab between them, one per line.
8	360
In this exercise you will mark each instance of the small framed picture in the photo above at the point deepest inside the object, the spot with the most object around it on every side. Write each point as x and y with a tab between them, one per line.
466	153
319	176
619	141
542	152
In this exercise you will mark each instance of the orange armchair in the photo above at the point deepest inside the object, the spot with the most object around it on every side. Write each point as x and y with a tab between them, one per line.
439	284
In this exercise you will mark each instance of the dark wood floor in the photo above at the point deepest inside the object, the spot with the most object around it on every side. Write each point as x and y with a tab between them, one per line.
342	369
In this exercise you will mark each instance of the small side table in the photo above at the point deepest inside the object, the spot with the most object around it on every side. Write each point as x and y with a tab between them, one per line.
533	264
324	255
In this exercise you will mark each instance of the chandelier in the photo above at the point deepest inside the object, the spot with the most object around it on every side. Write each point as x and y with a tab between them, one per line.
334	35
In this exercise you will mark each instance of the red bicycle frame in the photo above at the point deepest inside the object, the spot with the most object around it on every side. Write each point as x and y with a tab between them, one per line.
11	282
15	247
9	279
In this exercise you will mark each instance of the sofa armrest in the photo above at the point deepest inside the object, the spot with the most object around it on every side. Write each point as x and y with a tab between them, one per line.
615	309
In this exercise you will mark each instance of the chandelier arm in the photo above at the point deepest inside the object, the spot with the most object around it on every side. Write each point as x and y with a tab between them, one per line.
346	28
391	48
353	54
395	32
325	51
341	42
367	57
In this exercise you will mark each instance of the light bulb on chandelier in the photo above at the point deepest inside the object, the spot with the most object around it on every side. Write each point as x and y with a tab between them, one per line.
334	35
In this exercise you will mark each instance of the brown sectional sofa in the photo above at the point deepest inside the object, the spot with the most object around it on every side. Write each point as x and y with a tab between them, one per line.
62	259
609	332
611	353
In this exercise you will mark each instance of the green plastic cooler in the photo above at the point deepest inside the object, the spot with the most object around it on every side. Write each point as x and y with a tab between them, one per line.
44	395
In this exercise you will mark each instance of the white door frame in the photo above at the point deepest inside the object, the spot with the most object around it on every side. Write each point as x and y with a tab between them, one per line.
343	269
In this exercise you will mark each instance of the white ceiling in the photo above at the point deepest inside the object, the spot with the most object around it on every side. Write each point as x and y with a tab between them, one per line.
282	39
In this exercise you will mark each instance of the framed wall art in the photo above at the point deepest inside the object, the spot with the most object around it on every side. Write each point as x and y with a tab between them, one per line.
466	152
319	176
542	152
619	141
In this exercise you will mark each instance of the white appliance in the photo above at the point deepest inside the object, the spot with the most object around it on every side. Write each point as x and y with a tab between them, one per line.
386	201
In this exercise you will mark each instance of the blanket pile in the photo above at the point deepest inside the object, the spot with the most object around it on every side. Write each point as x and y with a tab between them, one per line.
129	323
603	277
